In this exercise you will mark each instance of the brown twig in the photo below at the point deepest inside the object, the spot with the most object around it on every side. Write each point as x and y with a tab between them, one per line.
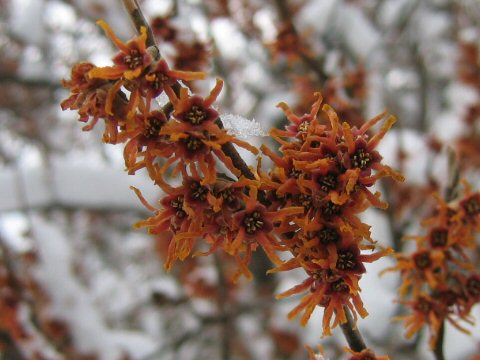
450	194
438	350
12	78
349	329
139	20
309	61
351	332
453	175
226	319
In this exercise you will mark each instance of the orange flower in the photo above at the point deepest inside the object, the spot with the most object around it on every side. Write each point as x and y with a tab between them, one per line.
145	141
160	76
183	213
470	208
330	285
80	80
430	311
255	225
472	287
438	275
88	95
423	313
322	173
90	98
130	62
333	295
195	136
422	266
194	111
299	124
471	293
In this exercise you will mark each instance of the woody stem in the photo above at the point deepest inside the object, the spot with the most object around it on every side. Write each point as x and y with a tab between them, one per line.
351	332
139	21
450	195
285	15
438	350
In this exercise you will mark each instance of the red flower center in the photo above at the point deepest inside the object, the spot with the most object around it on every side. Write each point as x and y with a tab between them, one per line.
423	306
361	159
153	126
294	173
346	261
177	204
473	286
228	195
340	286
330	209
196	115
305	201
193	143
439	237
303	127
253	222
198	192
134	59
472	205
422	260
327	182
328	235
159	80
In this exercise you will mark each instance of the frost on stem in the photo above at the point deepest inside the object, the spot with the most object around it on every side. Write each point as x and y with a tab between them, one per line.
242	127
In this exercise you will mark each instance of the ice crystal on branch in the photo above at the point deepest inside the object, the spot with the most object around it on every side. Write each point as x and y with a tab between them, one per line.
242	127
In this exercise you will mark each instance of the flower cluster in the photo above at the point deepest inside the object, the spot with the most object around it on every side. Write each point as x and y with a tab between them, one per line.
439	278
326	168
186	141
307	205
190	137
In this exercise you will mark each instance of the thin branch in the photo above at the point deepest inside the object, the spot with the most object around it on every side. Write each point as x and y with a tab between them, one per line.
349	329
225	322
351	332
140	22
309	61
450	194
438	350
233	154
11	78
453	175
423	92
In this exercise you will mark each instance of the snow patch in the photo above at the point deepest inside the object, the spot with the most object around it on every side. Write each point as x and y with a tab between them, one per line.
242	127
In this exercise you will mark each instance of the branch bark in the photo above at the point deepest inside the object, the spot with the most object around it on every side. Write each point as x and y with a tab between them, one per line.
351	332
139	21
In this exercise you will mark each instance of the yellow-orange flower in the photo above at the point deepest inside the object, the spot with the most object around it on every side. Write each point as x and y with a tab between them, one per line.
130	62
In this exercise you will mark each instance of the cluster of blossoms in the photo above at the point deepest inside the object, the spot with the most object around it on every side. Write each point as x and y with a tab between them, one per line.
187	141
440	279
307	205
326	168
